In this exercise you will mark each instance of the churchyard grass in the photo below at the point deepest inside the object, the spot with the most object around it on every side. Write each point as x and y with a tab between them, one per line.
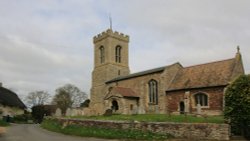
77	130
158	118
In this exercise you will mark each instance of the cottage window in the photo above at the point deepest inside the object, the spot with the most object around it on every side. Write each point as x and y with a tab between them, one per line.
153	92
118	54
102	56
201	99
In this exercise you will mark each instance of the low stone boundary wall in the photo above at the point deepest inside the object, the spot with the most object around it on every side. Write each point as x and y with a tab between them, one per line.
207	131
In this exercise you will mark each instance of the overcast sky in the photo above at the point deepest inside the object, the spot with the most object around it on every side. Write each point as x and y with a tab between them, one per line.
45	44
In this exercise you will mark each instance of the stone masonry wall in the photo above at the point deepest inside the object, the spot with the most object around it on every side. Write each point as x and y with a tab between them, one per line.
140	86
197	131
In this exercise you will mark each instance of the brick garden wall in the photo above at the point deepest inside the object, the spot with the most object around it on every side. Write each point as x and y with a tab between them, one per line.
179	130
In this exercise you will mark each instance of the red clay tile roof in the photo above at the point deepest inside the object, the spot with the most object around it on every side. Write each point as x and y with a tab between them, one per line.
204	75
125	92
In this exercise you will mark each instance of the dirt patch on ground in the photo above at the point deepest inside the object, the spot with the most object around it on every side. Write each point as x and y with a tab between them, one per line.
2	130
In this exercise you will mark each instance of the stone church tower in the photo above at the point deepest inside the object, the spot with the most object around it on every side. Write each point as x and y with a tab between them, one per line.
110	61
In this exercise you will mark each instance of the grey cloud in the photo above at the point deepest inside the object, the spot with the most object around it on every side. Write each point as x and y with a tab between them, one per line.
45	44
191	32
27	65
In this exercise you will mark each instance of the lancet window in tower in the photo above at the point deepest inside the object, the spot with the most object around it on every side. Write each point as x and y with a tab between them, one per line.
153	92
102	56
118	54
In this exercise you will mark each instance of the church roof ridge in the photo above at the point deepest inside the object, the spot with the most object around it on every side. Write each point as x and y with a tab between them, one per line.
196	65
137	74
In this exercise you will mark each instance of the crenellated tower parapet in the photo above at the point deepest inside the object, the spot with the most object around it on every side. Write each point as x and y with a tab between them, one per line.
111	33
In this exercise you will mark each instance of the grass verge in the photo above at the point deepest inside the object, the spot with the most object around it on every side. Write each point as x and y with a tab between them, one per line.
77	130
158	118
3	123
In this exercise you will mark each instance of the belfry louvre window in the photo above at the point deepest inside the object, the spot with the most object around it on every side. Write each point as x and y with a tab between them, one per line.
118	54
153	92
102	56
201	99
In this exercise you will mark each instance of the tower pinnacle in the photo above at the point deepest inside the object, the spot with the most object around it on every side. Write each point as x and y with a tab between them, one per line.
238	49
110	21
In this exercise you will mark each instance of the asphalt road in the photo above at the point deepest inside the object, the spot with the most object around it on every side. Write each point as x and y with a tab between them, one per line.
32	132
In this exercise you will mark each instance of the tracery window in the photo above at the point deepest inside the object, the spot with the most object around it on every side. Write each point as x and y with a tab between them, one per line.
153	92
201	99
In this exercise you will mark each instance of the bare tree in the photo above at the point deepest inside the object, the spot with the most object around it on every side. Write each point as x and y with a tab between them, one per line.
63	100
69	96
37	98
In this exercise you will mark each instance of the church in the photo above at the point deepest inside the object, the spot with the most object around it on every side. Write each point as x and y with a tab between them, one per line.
171	89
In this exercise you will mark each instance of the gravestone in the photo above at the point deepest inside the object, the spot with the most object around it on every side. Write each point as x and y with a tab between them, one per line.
68	112
58	112
74	112
198	109
108	112
156	109
186	101
135	111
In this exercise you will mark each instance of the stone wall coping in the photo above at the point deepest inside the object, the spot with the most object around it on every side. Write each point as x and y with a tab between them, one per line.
134	121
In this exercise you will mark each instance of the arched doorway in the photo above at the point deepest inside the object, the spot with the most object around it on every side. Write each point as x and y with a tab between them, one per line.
115	105
182	107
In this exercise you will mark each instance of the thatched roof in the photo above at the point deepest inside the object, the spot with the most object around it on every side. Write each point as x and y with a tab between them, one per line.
9	98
